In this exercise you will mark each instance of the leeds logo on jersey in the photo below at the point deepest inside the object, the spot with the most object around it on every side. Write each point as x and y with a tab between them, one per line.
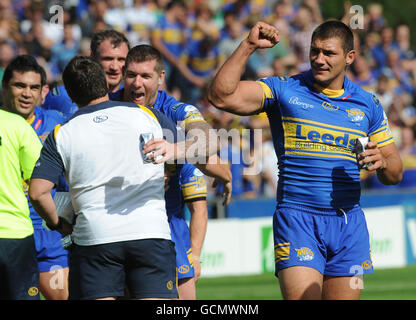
100	118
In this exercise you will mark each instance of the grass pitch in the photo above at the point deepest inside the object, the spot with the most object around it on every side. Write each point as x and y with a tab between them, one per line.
384	284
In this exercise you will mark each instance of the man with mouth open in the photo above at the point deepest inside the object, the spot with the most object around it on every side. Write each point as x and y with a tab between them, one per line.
143	76
320	233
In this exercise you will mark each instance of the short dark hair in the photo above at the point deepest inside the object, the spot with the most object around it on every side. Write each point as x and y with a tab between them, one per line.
145	52
335	28
21	64
84	80
176	3
116	39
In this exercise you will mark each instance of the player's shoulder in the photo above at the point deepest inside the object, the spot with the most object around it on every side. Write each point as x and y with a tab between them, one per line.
189	169
369	98
51	115
285	81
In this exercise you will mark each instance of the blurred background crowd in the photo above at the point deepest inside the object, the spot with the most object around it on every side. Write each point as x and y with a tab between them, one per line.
196	37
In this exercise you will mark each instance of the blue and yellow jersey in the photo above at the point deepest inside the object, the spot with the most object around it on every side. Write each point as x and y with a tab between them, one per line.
202	63
313	133
173	35
193	184
180	113
58	99
187	184
43	122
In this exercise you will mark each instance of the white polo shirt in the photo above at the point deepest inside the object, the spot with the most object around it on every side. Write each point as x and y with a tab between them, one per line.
115	194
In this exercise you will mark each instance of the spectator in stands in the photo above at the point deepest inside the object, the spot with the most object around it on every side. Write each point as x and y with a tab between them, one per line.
374	18
236	34
299	39
66	50
399	79
202	55
94	20
141	19
380	51
115	16
384	92
364	76
402	37
51	33
7	53
170	36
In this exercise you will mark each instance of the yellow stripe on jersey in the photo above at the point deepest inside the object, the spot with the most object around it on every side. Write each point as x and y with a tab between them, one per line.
55	130
190	257
304	138
194	189
148	111
31	119
281	251
267	92
382	136
361	133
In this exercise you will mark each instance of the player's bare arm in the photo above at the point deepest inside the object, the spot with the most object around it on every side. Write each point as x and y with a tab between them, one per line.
386	162
222	174
201	133
197	228
227	92
41	199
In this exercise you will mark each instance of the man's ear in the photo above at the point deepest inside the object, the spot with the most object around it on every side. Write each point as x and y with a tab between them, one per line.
162	77
349	57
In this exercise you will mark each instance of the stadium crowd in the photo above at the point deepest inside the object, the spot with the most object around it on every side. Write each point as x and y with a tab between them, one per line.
195	38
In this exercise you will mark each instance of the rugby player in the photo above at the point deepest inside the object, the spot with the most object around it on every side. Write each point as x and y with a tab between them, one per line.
143	77
320	233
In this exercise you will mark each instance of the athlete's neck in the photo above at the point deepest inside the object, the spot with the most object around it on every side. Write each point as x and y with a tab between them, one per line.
99	100
332	93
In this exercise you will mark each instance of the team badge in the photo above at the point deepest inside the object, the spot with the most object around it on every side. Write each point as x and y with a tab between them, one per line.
304	254
355	115
183	269
33	291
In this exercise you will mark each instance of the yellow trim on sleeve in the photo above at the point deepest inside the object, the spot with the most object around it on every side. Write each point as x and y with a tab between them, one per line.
55	130
267	92
148	111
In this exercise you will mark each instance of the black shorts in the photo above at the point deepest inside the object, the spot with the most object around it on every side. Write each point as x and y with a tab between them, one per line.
146	267
19	274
